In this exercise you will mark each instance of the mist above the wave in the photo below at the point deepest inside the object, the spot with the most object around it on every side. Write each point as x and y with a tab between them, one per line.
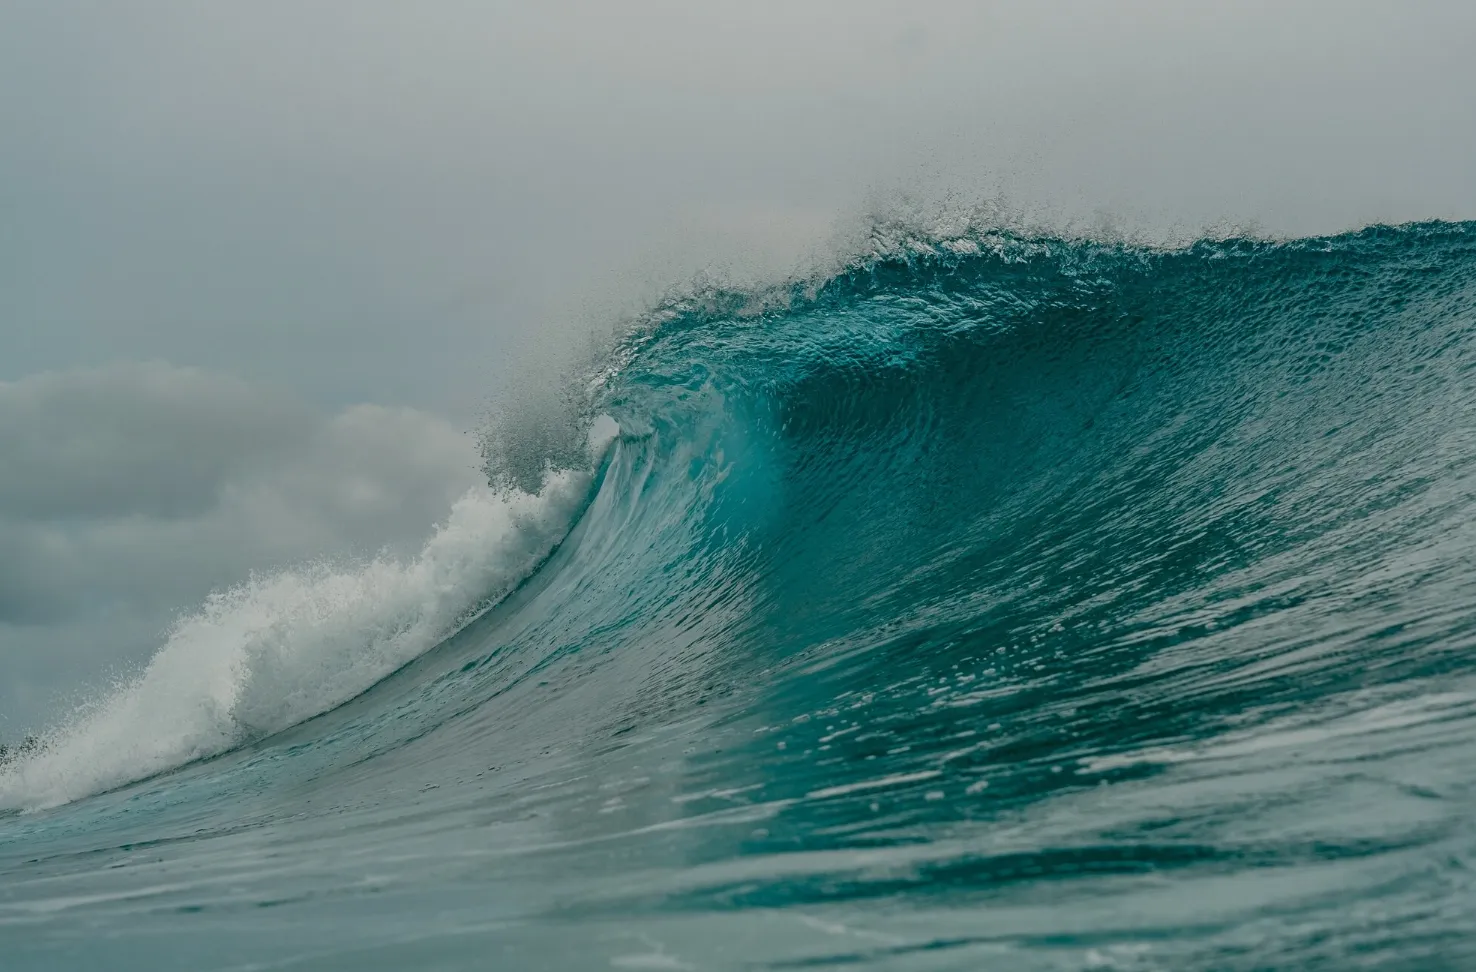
385	204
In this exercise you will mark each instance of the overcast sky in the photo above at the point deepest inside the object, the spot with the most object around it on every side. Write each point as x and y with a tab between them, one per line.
261	264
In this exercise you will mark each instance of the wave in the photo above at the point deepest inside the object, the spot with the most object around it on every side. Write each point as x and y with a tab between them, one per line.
1005	384
944	573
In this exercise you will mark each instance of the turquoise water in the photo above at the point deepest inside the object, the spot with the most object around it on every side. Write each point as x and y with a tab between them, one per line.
996	603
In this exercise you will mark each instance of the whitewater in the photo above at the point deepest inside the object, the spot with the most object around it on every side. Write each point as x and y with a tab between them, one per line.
991	600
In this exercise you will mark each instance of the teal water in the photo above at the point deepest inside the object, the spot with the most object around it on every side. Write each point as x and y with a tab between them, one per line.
996	603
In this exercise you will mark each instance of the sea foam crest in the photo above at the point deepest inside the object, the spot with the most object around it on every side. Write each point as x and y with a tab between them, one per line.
284	647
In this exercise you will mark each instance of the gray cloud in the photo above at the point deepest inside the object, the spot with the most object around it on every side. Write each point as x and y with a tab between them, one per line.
149	440
129	492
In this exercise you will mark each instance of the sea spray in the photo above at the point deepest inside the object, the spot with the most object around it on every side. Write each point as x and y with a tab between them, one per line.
285	646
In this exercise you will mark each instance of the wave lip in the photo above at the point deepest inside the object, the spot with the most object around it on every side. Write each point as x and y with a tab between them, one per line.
284	647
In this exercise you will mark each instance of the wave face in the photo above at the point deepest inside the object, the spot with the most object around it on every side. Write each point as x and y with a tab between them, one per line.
997	602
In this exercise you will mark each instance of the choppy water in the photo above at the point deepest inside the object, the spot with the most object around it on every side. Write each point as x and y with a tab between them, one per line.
997	603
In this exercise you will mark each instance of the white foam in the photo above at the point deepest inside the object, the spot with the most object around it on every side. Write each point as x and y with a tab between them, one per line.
284	647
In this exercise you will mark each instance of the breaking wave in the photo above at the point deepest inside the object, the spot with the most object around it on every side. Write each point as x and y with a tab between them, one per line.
1083	603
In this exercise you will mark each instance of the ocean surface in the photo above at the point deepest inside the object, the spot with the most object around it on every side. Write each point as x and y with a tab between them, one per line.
995	601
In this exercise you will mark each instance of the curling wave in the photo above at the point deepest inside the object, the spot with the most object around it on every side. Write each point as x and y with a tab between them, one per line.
996	599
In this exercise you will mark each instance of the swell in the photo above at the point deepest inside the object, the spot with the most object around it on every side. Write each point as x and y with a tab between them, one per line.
1070	500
